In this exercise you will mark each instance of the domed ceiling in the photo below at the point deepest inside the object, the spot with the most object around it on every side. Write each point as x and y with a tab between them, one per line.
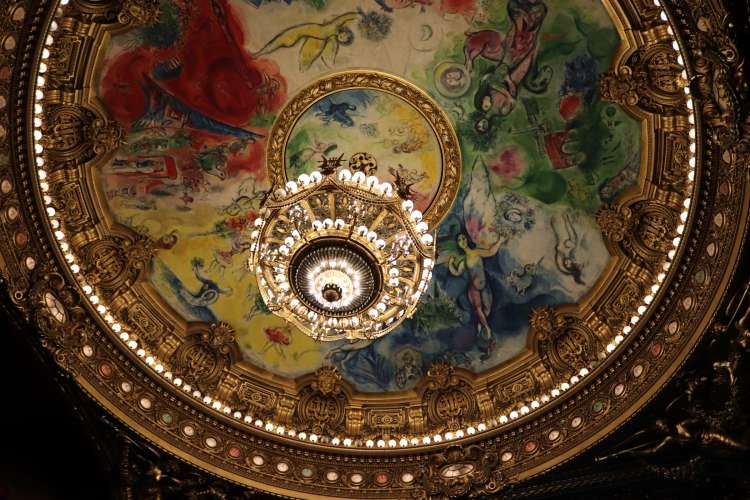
577	162
198	91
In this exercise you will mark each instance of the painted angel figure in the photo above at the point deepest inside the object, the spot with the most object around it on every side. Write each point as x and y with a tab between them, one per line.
478	293
319	40
488	224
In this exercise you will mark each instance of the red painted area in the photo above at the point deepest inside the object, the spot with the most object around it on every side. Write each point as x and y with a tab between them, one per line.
217	77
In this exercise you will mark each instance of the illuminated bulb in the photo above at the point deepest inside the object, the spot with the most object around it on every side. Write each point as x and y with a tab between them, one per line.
358	177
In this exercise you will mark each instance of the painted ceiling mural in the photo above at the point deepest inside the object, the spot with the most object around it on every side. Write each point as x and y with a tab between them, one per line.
198	93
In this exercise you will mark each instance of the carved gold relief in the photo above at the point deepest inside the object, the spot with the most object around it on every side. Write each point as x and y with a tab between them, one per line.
322	404
72	132
650	79
116	262
638	231
463	472
565	343
447	397
205	354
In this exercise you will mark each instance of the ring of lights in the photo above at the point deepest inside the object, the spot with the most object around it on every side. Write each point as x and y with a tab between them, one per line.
612	387
344	282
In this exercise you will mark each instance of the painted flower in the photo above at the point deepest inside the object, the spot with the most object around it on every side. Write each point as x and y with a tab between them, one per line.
570	106
509	163
278	336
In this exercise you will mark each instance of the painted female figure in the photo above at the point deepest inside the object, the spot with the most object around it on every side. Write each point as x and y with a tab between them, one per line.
479	294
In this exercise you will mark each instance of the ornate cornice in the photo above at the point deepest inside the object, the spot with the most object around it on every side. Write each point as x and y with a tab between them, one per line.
76	135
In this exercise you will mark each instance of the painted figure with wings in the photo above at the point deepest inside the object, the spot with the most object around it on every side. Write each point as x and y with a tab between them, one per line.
319	40
489	223
478	293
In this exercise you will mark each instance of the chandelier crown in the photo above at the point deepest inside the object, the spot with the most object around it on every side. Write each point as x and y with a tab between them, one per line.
340	254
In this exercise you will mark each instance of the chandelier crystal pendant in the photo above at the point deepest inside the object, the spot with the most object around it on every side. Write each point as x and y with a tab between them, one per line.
340	254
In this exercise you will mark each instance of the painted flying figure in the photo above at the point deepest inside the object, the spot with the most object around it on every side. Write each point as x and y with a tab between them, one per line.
515	56
209	292
318	40
337	113
479	294
523	278
404	179
566	243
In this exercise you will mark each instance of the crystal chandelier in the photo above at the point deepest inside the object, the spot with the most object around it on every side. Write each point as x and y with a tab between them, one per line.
340	254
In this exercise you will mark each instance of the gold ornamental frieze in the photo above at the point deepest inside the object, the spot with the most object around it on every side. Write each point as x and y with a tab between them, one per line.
83	278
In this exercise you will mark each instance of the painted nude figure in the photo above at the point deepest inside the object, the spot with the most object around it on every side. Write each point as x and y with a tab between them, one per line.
480	296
